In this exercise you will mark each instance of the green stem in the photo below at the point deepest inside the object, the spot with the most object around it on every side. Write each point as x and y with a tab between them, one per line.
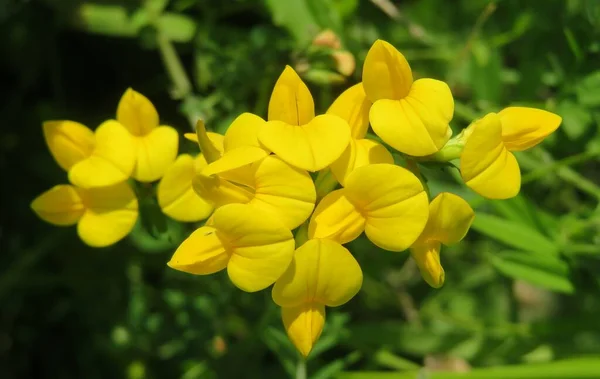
301	368
182	86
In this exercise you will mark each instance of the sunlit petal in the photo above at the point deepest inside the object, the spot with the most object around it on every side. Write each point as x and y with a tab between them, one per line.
336	218
155	152
69	142
61	205
304	324
386	73
137	113
291	101
427	256
243	131
353	106
359	153
523	127
450	218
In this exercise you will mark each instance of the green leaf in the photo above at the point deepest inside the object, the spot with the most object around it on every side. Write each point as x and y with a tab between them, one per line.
514	234
111	20
588	90
296	17
177	27
540	269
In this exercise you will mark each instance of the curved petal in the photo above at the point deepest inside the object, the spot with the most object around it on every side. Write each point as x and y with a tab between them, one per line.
418	124
262	248
450	218
215	138
112	160
336	218
310	147
523	127
304	325
427	256
137	113
219	191
323	272
359	153
386	73
353	106
111	213
69	142
61	205
486	166
175	194
243	131
285	192
235	158
291	101
393	202
155	152
202	253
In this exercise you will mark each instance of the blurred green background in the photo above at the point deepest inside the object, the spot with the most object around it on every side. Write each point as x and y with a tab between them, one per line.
521	298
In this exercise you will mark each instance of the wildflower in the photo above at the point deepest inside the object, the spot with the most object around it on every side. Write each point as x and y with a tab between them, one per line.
353	106
155	147
322	273
293	132
255	247
486	164
92	159
450	218
385	201
104	215
412	117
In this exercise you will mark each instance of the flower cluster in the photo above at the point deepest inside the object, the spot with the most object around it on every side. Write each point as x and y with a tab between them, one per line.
282	196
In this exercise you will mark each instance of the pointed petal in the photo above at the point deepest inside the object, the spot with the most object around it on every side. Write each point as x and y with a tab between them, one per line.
202	253
427	256
243	131
219	191
450	218
310	147
137	113
393	202
418	124
155	152
112	160
208	148
69	142
175	194
386	73
353	106
304	325
359	153
523	127
215	138
110	215
323	271
336	218
61	205
235	158
291	101
285	192
486	166
262	248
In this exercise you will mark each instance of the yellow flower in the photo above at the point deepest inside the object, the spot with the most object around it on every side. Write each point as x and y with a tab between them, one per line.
91	159
255	178
322	273
175	192
255	247
486	164
385	201
412	117
294	133
353	106
104	215
155	147
450	218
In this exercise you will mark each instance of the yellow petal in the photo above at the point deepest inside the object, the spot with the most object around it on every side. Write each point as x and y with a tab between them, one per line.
291	101
336	218
310	147
112	160
202	253
175	194
353	106
243	131
523	127
323	272
283	191
155	152
450	218
486	166
427	256
215	138
235	158
418	124
209	149
393	202
61	205
69	142
111	213
137	113
304	325
359	153
219	191
386	73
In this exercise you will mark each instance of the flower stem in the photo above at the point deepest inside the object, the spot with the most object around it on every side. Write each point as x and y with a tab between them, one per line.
181	83
301	368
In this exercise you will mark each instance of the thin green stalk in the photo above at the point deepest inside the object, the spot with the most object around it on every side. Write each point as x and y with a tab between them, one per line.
301	368
182	86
